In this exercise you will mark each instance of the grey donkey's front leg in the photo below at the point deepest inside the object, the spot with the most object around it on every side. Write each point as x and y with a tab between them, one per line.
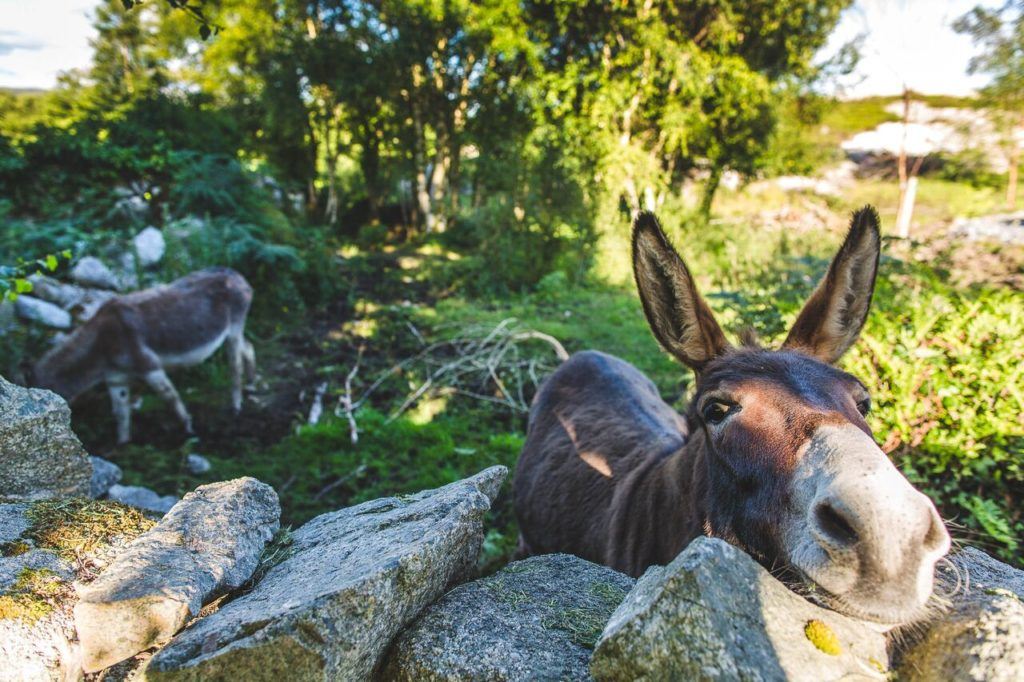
120	403
161	383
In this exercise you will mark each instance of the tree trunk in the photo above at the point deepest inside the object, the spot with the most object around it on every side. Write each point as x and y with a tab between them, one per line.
708	196
1014	170
902	221
454	168
422	184
370	163
438	173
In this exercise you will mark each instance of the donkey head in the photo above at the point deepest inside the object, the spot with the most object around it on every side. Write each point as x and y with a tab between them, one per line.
791	471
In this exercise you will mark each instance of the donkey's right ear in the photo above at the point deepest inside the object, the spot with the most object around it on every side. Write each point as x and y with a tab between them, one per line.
680	318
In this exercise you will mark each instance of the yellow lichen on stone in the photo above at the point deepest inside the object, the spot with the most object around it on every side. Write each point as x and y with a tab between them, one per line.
823	637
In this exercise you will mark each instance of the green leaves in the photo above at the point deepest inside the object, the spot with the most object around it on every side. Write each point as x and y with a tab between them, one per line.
14	280
195	8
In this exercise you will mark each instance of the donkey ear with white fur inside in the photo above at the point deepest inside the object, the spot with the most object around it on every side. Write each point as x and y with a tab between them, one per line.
834	315
679	317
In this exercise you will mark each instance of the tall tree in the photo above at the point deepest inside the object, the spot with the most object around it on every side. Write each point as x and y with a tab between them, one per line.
1000	34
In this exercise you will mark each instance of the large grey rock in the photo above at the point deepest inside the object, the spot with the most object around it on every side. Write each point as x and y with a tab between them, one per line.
149	246
104	475
40	453
208	544
58	293
981	637
37	629
353	580
141	498
42	312
92	272
716	614
536	619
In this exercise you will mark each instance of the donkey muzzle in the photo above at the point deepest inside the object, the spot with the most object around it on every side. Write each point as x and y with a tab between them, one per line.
861	531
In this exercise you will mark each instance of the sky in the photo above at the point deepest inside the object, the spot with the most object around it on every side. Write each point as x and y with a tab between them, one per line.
905	41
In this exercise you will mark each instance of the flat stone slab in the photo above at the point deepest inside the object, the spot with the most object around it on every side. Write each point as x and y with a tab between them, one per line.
208	544
41	455
981	637
536	619
716	614
353	580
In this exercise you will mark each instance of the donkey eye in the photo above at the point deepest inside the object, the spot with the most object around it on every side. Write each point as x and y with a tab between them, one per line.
716	411
864	406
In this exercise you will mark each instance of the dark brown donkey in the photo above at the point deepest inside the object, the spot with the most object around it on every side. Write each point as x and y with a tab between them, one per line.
138	336
773	453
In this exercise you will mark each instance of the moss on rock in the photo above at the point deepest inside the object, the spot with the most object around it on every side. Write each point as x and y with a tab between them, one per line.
76	526
33	596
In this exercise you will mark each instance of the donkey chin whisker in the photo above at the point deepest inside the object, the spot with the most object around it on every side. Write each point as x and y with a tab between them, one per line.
800	583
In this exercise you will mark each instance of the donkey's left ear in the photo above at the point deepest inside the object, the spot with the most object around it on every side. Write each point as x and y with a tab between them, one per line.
834	315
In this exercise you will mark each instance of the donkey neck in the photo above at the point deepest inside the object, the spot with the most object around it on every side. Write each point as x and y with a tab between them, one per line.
664	510
75	366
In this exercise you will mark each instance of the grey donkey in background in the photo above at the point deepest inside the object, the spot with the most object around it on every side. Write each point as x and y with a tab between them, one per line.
139	336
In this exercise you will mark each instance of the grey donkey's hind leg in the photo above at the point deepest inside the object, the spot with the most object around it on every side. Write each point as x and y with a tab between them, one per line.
249	358
161	383
120	403
243	362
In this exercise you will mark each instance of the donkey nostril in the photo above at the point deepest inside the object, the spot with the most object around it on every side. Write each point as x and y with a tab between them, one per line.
834	525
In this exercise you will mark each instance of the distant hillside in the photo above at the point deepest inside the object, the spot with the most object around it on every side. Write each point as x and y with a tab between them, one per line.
847	117
22	91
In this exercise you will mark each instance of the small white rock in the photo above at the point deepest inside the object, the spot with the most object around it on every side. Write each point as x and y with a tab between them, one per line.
150	246
197	464
46	313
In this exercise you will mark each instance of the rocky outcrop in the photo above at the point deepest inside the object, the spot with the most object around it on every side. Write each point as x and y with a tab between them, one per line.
982	636
45	546
92	272
43	312
142	498
1007	228
351	581
716	614
105	474
208	544
80	302
536	619
41	455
